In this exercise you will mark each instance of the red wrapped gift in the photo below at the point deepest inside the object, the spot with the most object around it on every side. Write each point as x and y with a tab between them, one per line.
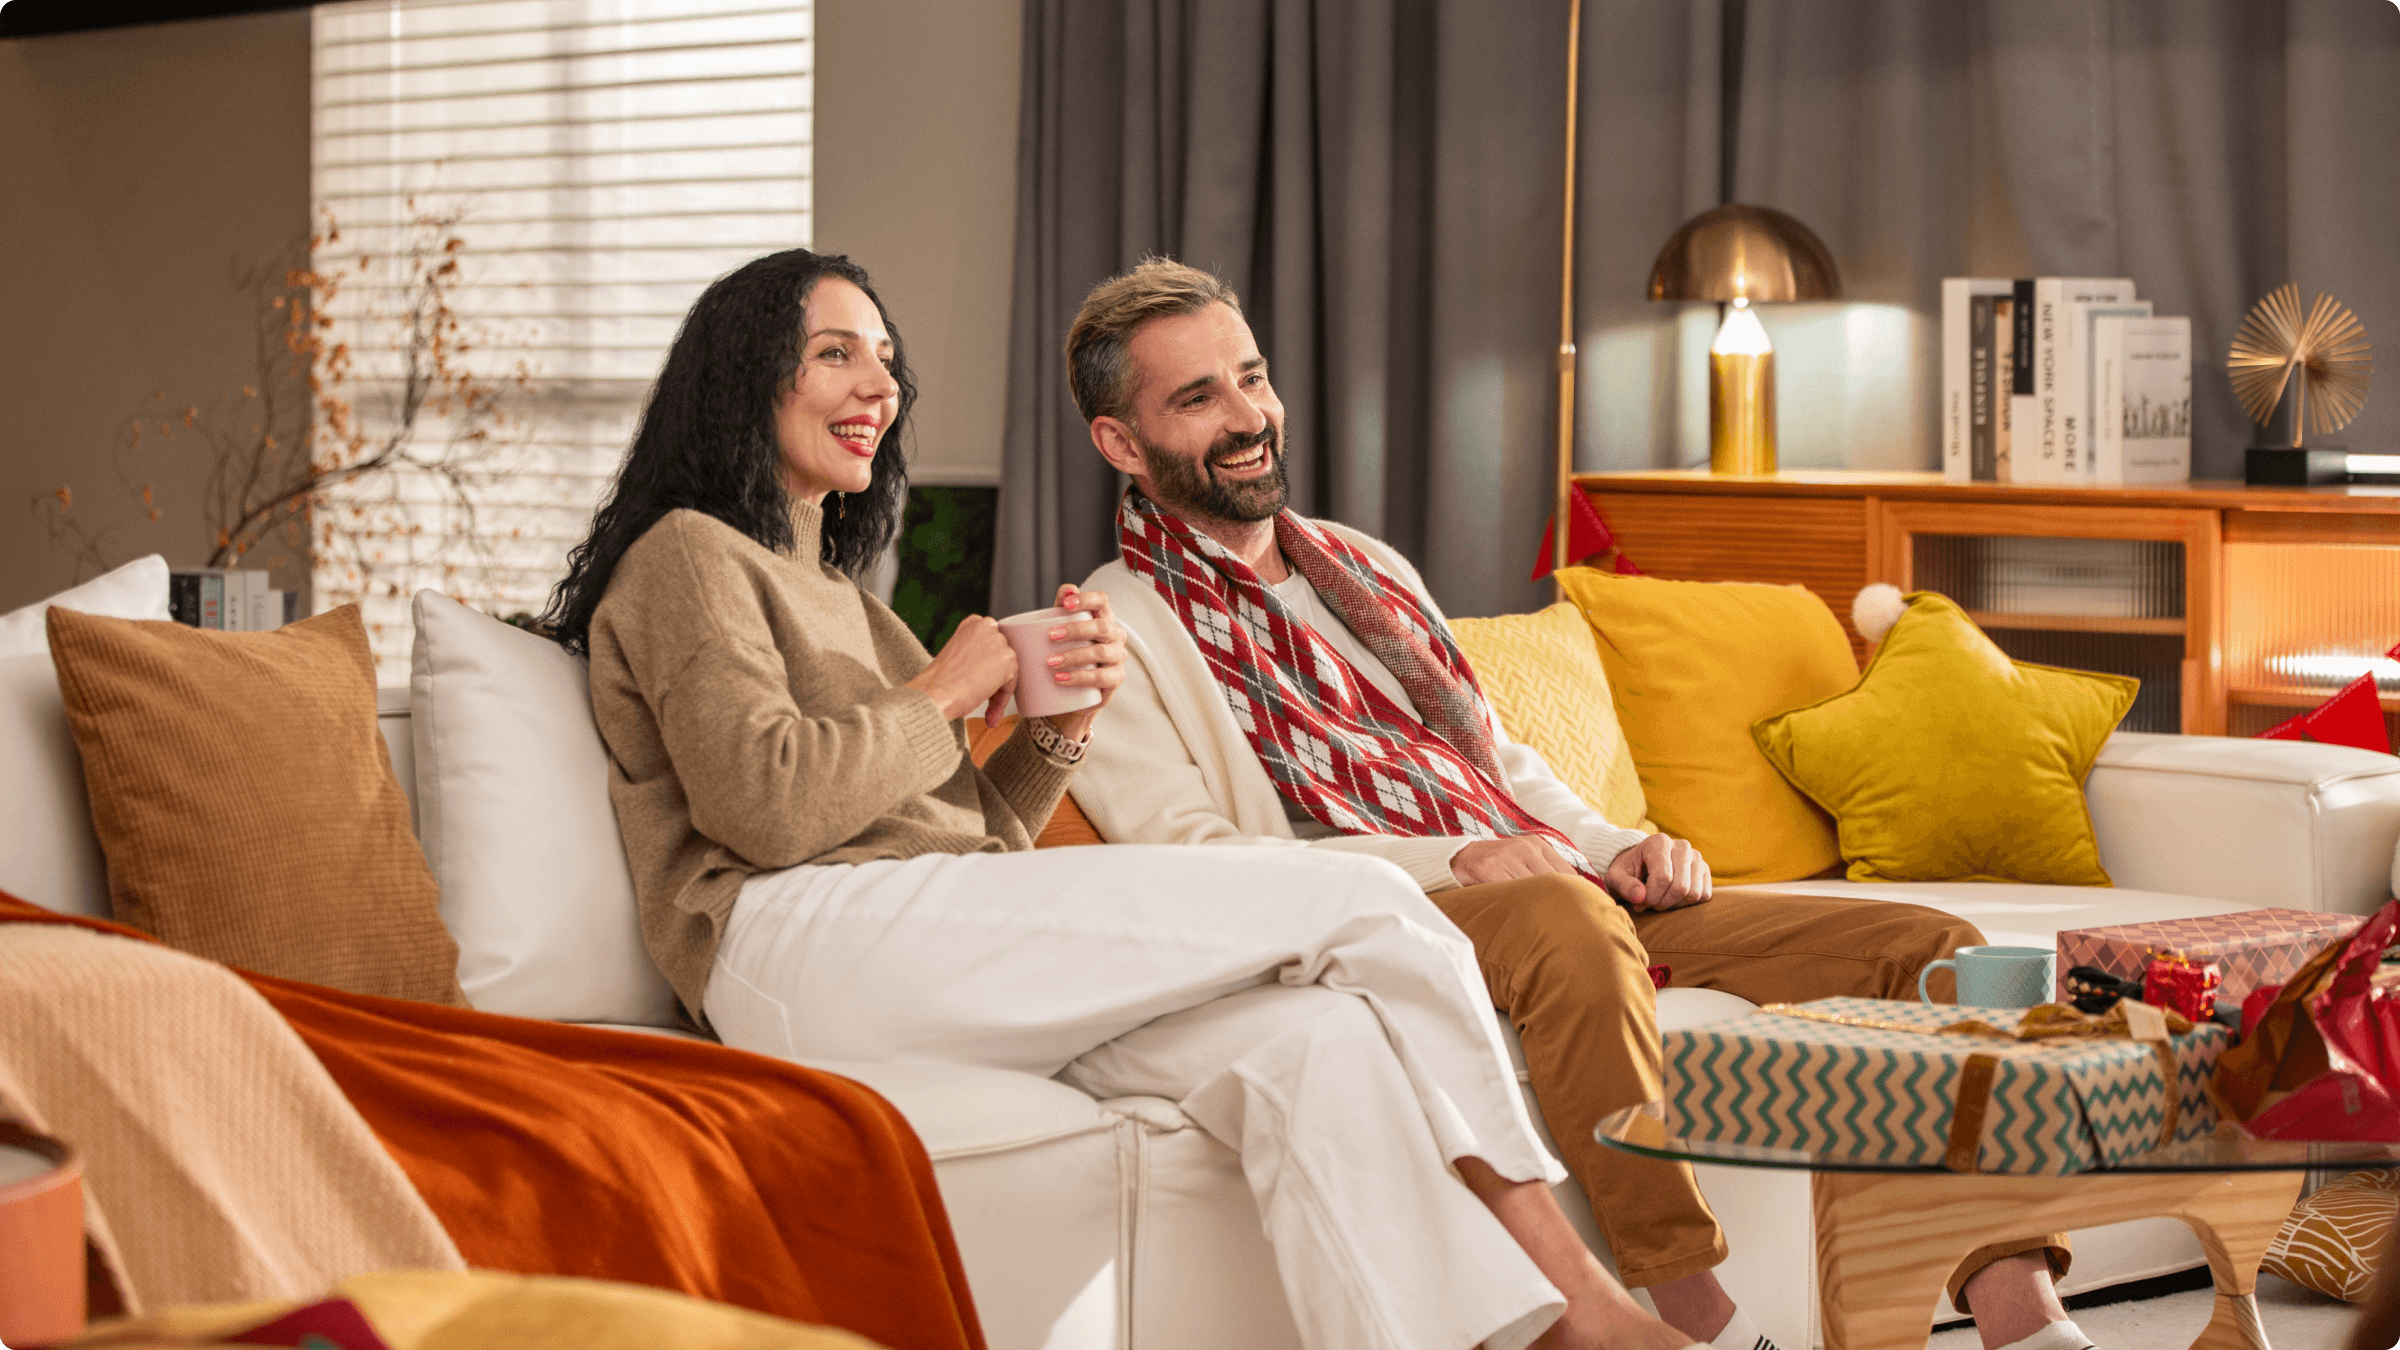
2182	986
2251	948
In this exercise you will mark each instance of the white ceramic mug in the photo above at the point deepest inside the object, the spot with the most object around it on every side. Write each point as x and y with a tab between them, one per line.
1038	695
1998	977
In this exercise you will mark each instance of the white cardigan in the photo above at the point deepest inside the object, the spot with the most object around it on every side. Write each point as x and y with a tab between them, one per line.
1168	764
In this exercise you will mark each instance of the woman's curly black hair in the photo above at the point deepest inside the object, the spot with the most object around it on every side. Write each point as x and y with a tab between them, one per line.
707	439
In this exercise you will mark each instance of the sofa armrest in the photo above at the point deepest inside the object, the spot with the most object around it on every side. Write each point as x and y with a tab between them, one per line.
2267	823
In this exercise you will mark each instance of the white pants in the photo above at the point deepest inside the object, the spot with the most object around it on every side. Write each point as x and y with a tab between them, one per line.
1311	1010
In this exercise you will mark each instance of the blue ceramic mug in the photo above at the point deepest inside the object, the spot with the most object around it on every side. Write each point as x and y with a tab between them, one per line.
1998	977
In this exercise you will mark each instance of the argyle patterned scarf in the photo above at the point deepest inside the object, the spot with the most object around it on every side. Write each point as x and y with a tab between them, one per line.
1334	745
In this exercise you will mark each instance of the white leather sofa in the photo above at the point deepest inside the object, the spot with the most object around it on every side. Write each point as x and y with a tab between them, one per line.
1100	1223
1088	1223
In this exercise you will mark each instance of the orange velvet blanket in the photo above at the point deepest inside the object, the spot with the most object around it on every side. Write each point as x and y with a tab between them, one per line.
549	1149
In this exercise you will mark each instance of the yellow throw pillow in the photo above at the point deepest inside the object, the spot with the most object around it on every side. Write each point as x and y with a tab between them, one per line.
1951	762
1692	664
1545	680
245	800
2333	1239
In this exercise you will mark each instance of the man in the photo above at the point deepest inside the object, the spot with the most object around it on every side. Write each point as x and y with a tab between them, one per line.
1290	682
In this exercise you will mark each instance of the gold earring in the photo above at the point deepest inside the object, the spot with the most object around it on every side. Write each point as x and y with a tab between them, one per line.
841	505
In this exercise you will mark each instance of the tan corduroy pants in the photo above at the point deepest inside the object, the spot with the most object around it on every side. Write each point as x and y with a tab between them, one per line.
1566	965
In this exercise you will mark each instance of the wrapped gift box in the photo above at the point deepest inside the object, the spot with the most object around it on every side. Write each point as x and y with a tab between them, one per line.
1886	1093
2254	947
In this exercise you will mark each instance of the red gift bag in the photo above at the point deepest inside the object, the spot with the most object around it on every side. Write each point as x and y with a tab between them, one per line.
2323	1061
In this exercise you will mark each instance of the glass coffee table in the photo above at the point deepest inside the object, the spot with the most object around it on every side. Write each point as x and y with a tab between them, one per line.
1889	1234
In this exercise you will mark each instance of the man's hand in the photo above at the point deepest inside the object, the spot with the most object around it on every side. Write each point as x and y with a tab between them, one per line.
1659	873
1511	859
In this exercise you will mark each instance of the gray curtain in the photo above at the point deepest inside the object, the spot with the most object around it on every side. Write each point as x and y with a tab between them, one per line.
2212	150
1381	181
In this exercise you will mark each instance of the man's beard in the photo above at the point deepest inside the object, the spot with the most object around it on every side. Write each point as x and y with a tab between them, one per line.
1191	488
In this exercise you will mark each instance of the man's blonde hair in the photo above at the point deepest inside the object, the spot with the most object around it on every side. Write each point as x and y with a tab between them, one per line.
1098	373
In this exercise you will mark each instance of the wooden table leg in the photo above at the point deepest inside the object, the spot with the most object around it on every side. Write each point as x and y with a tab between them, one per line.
1887	1242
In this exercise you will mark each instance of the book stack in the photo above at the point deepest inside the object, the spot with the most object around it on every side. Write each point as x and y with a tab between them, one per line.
229	601
2069	381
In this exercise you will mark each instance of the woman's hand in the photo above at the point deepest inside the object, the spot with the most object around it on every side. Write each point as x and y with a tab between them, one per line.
1099	666
976	669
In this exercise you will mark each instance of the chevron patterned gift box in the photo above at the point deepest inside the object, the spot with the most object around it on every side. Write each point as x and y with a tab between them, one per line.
2254	947
1877	1093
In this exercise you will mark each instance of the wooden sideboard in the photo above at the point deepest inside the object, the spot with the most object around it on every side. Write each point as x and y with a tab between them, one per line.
2237	605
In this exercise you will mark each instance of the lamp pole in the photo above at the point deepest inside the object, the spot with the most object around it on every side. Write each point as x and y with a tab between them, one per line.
1561	520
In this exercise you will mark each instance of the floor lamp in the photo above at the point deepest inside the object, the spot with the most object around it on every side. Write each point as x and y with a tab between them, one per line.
1562	517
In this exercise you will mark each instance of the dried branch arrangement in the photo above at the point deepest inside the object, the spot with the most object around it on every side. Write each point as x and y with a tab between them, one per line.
351	403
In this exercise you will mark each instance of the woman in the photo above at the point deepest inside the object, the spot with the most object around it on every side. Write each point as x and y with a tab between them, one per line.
822	873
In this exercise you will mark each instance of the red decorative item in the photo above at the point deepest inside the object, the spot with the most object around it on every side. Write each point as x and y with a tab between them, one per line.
335	1324
2182	986
2351	717
1587	534
1659	975
1624	566
2323	1058
2248	948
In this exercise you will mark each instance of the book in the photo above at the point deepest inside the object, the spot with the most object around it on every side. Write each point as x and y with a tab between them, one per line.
212	600
183	598
2004	353
1953	418
281	604
1979	388
2142	400
2075	377
2036	451
255	618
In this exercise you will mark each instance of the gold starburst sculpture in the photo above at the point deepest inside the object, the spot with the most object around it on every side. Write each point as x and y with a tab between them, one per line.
2328	352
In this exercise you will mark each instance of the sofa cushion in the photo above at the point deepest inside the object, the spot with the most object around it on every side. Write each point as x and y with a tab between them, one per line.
1692	665
2288	823
513	809
1951	762
2012	914
240	788
48	852
1543	675
138	590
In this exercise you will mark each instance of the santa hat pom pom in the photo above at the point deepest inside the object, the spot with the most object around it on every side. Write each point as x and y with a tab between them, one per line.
1876	609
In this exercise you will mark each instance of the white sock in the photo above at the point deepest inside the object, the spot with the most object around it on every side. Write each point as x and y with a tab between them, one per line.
1742	1334
2056	1336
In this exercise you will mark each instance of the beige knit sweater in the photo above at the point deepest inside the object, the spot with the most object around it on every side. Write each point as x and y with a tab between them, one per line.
755	716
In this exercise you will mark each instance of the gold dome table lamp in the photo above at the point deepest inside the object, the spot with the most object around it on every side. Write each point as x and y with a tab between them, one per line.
1742	256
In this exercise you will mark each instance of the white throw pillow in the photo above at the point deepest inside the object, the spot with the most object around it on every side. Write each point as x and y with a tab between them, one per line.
48	852
138	590
513	811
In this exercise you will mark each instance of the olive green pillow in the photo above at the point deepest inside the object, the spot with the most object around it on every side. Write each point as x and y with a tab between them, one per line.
1951	762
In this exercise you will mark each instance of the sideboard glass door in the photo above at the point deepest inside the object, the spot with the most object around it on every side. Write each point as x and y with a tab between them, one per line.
2129	592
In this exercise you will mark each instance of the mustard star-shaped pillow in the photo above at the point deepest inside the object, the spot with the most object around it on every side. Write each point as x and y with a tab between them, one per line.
1949	761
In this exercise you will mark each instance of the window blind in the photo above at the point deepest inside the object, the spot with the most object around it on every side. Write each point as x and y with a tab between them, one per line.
606	160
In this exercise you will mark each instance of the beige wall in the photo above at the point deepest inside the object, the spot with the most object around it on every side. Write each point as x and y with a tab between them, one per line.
138	166
916	165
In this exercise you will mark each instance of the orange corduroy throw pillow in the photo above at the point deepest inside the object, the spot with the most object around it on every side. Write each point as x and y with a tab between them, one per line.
245	801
